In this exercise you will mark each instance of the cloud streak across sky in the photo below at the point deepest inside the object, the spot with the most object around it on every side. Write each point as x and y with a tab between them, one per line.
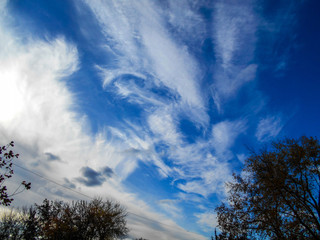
151	103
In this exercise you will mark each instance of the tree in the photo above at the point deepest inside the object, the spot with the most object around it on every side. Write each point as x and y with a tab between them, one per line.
10	225
79	220
30	224
277	196
82	220
18	224
6	158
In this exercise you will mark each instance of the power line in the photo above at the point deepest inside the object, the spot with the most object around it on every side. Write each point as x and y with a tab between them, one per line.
50	180
87	196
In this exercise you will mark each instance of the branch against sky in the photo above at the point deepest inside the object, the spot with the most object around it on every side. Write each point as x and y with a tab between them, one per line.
276	195
7	157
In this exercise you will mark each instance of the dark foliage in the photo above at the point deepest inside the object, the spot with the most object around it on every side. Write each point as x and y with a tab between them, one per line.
277	196
80	220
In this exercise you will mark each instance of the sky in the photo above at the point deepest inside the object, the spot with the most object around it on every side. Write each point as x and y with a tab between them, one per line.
153	104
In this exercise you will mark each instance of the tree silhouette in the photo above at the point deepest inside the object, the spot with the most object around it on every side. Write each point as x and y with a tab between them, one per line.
81	220
277	196
6	164
10	225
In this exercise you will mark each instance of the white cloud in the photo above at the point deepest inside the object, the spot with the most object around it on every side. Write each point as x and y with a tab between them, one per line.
108	75
118	20
162	124
171	207
158	58
187	21
136	32
166	230
195	187
173	65
211	175
234	35
225	133
210	171
208	220
40	118
189	197
154	50
133	93
242	157
234	31
268	128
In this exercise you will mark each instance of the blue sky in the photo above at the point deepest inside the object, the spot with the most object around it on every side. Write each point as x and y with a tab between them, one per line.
153	103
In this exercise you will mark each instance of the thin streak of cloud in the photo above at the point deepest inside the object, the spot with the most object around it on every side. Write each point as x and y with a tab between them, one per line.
268	128
234	34
208	221
171	207
162	124
185	18
173	65
224	135
142	36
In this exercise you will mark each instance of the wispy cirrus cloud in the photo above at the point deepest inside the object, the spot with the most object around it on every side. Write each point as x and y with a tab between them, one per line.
268	128
158	61
206	176
162	124
234	35
143	36
186	20
208	220
224	135
171	207
40	117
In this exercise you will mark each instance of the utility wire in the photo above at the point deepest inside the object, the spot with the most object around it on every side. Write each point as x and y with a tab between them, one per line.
50	180
87	196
